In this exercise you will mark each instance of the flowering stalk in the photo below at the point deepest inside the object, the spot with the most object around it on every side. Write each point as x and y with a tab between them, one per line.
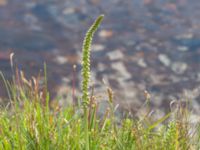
86	59
86	74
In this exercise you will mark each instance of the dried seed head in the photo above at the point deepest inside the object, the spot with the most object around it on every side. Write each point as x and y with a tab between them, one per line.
147	95
11	59
173	105
110	95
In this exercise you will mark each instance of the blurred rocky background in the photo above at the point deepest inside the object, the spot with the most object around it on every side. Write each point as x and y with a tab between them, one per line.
151	45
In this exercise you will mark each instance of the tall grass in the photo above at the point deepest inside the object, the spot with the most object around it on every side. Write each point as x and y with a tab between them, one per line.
30	122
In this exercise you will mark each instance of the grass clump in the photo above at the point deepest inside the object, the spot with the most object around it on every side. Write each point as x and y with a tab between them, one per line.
30	122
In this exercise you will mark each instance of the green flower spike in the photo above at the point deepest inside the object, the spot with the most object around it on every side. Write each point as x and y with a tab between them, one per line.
86	59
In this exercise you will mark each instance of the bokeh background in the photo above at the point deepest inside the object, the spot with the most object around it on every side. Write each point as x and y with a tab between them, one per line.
151	45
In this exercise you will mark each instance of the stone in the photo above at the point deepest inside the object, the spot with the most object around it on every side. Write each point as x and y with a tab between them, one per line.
122	71
142	63
95	2
101	67
97	47
105	33
157	99
179	67
145	46
153	41
66	80
147	2
61	60
92	78
164	59
115	55
183	48
3	2
67	11
32	22
30	5
194	119
198	76
171	7
185	36
174	79
130	43
192	94
4	55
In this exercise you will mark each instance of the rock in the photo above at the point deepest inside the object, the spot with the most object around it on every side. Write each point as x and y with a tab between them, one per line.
101	67
3	2
129	93
157	99
92	78
73	59
67	11
179	67
130	42
153	41
171	7
175	79
183	48
198	77
142	63
164	59
116	54
4	55
157	79
147	2
97	47
194	119
122	71
105	33
193	44
66	81
30	5
145	46
185	36
138	48
192	94
95	2
61	60
32	22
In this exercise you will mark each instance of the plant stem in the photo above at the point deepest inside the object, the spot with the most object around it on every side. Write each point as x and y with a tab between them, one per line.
86	113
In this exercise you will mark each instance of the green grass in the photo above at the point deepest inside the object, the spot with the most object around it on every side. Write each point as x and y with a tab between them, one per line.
30	122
